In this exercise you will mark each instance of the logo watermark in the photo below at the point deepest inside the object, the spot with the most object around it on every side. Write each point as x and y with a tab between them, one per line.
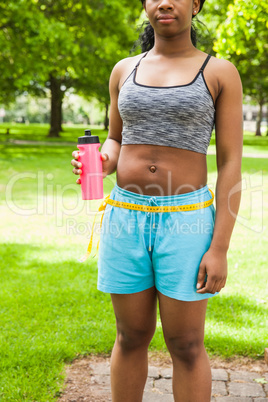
251	211
65	203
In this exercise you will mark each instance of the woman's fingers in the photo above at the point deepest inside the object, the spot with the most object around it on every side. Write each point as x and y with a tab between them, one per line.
212	286
104	157
75	161
221	285
77	171
77	165
75	154
201	275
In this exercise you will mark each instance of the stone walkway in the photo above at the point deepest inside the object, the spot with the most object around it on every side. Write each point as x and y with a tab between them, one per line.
228	385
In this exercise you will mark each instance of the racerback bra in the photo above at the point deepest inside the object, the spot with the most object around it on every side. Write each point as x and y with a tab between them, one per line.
180	116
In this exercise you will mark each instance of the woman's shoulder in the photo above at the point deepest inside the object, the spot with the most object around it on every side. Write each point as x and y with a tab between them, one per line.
222	65
127	62
223	69
123	68
222	74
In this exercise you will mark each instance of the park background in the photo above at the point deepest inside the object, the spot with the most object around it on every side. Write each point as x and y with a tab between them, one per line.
55	63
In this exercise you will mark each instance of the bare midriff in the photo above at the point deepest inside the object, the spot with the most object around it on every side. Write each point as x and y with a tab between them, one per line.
160	171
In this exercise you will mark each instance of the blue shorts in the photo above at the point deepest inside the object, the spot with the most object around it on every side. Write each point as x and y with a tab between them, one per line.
139	250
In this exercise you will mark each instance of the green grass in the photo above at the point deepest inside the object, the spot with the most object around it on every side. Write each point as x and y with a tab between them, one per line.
50	310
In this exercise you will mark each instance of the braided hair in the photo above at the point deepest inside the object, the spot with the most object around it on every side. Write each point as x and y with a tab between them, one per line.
147	37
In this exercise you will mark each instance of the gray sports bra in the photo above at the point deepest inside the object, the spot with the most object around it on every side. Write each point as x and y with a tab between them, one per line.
180	116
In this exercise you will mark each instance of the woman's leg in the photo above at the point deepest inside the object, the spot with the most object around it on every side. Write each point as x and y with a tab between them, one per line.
183	327
135	322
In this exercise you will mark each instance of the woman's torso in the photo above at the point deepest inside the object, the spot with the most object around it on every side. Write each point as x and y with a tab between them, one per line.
164	170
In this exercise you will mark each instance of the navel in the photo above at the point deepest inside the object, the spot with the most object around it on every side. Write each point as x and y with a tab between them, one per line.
152	169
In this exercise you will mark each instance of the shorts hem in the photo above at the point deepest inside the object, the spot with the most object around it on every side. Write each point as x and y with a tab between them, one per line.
116	290
184	297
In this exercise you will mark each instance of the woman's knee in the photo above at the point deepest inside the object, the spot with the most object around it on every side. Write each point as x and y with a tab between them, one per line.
129	339
187	348
135	319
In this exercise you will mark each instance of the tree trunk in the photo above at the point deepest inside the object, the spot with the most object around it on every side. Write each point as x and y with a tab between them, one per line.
106	119
56	107
61	114
259	118
267	119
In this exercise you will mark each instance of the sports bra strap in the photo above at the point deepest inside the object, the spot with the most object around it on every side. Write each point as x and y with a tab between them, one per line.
205	63
201	69
137	65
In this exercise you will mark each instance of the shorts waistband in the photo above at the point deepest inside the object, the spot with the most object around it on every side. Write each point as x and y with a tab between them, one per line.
154	204
176	199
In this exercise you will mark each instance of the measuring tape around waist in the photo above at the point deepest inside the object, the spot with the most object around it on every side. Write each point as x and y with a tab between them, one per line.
144	208
166	208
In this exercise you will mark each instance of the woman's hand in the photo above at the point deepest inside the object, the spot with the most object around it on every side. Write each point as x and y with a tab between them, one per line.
105	164
212	271
78	165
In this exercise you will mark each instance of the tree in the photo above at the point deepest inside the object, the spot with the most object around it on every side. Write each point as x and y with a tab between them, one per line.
63	44
18	62
243	39
213	14
104	32
28	42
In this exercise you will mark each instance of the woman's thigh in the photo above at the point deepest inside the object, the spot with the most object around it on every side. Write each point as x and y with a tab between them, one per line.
135	316
181	241
183	323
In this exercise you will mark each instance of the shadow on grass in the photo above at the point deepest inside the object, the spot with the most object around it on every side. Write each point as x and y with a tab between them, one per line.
32	152
50	312
237	310
256	140
39	132
41	260
236	326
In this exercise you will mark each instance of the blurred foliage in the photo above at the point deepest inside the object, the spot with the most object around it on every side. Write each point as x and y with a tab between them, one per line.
74	42
243	39
77	42
212	15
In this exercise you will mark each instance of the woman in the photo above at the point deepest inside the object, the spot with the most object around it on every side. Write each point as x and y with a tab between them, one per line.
164	104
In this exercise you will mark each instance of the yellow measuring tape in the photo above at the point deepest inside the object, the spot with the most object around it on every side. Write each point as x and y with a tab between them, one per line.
144	208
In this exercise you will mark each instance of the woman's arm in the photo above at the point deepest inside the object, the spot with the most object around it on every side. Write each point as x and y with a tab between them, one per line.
229	146
111	147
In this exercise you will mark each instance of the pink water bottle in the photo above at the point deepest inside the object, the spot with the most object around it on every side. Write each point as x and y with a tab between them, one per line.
90	157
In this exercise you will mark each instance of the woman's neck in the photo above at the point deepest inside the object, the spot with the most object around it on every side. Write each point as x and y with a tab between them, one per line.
180	45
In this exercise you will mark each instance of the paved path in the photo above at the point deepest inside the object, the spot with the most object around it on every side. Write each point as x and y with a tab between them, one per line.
29	142
228	385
